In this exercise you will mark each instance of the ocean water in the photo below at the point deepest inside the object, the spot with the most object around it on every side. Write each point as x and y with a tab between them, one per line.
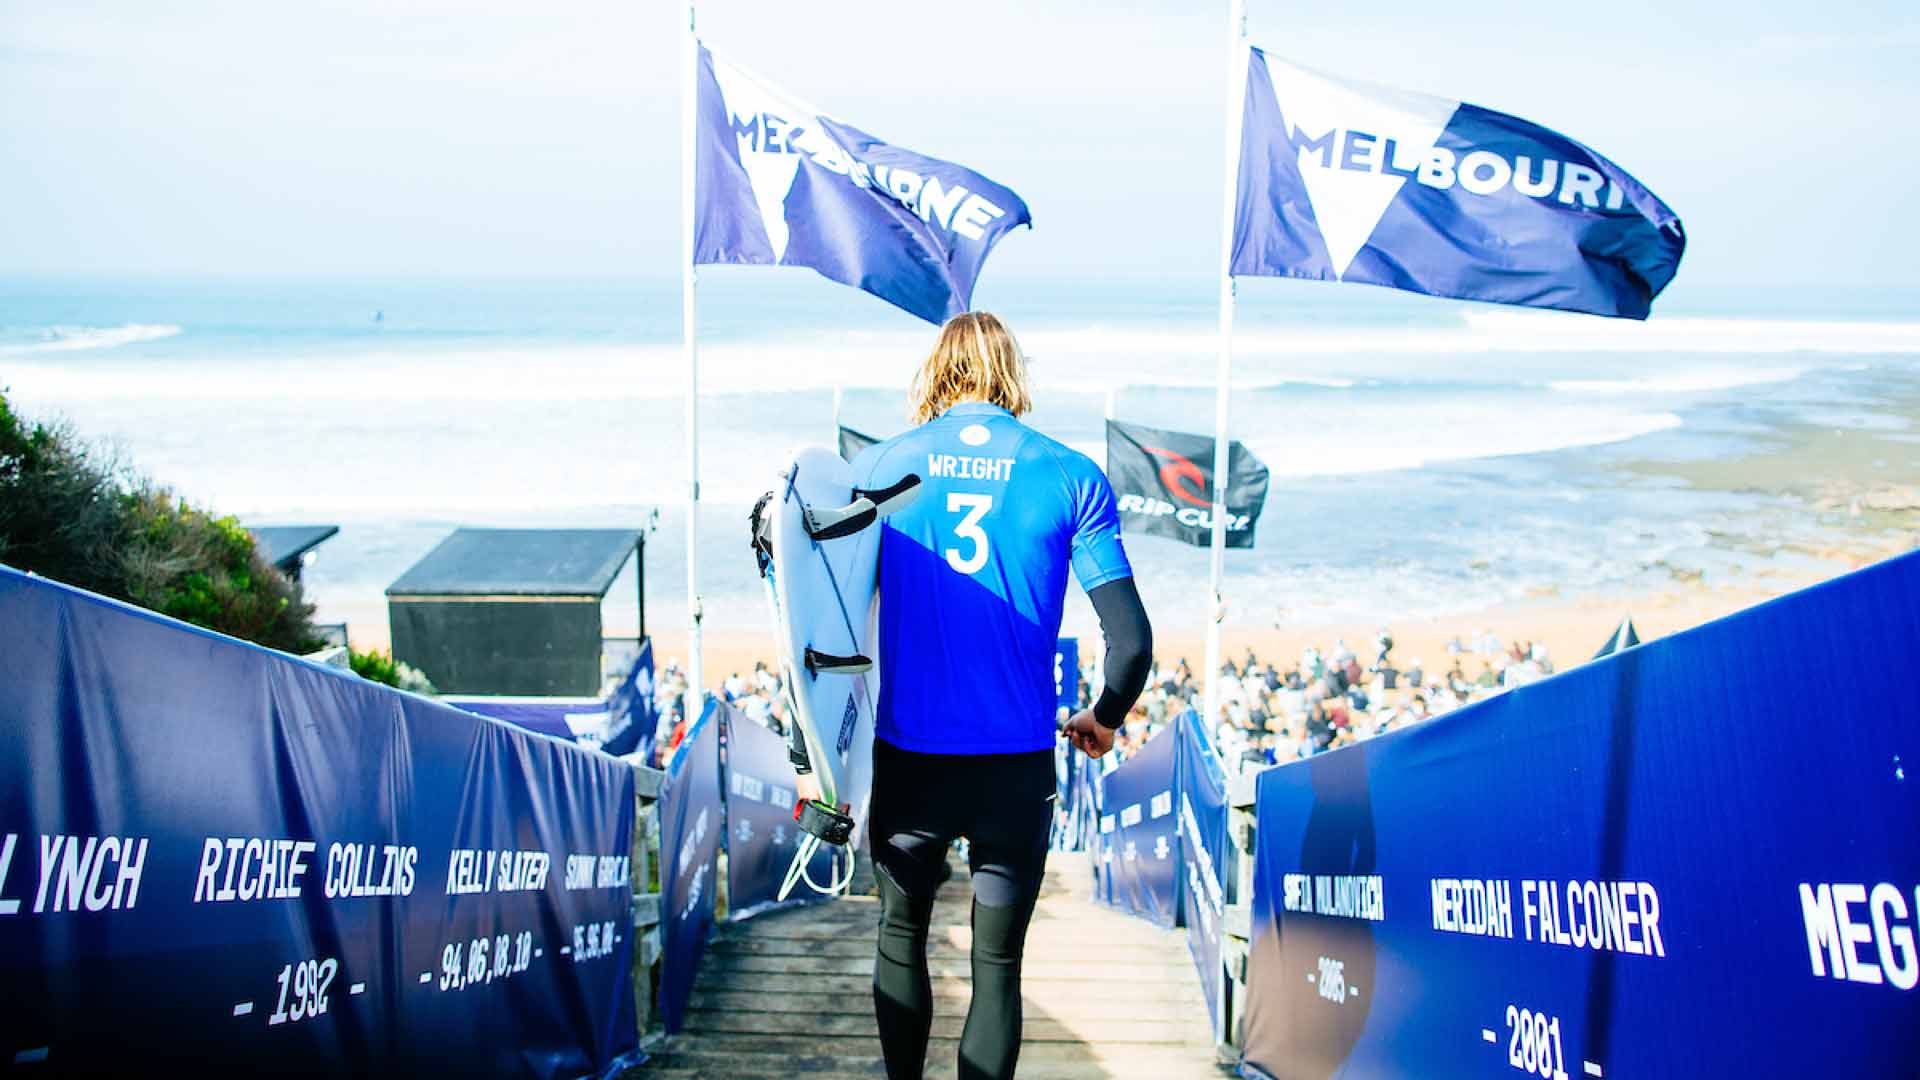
1429	457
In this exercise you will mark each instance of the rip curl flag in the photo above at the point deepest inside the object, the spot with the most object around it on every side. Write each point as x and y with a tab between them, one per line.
779	184
1163	484
1347	181
852	442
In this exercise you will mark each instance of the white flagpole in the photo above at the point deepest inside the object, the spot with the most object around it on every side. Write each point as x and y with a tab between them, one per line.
689	117
1235	105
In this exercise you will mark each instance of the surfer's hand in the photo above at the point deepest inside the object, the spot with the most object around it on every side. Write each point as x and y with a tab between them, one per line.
1090	736
807	786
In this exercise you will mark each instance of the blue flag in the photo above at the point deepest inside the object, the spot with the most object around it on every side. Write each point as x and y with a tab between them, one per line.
781	185
1346	181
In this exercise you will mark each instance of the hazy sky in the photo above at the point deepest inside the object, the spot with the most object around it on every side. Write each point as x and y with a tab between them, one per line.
367	137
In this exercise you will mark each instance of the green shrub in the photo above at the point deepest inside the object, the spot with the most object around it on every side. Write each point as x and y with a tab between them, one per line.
205	570
71	513
376	666
61	513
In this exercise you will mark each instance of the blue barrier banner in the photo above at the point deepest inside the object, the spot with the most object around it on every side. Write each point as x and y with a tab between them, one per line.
1202	792
1139	833
632	715
761	835
1066	673
218	857
692	827
554	717
1101	828
1668	862
1066	804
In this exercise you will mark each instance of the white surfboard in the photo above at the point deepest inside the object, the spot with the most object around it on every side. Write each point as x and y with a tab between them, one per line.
824	541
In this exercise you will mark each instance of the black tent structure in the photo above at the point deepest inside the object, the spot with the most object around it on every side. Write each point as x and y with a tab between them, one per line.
1624	637
285	547
512	611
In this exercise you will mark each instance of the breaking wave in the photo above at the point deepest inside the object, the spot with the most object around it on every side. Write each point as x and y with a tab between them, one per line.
77	338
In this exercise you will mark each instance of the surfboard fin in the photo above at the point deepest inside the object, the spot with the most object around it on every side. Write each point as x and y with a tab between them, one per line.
847	520
895	496
827	663
760	523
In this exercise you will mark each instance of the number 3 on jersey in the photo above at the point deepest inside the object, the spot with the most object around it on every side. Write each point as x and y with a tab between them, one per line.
968	530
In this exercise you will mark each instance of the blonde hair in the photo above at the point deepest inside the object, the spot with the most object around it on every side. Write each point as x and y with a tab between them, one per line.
976	359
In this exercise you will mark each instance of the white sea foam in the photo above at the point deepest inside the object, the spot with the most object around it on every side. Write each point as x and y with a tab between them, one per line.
454	425
76	338
1679	382
1390	440
458	373
1243	382
1497	331
1548	331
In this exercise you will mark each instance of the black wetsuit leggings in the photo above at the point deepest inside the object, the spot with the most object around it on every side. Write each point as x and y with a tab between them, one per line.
1001	804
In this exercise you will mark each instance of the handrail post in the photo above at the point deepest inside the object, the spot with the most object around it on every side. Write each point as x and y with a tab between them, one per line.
1236	936
645	884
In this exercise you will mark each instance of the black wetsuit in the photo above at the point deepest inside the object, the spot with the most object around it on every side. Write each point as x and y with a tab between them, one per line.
1001	804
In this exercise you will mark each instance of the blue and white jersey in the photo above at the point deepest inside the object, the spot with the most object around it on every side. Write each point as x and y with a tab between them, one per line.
973	576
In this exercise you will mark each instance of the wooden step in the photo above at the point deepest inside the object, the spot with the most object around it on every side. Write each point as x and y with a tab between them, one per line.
734	1069
957	987
944	947
953	997
776	1056
1036	1028
956	910
1170	969
789	994
1083	927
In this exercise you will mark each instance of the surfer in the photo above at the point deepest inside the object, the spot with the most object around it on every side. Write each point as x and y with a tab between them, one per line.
973	576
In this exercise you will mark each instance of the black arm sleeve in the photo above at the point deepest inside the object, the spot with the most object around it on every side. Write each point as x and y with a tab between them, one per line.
1123	621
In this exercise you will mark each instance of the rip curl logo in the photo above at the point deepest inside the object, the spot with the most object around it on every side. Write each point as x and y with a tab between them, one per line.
1191	516
1181	478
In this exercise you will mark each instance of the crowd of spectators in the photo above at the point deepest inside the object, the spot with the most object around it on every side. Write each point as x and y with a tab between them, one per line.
1274	712
759	695
1269	713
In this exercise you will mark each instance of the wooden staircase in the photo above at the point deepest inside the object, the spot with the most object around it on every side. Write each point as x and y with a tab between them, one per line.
789	993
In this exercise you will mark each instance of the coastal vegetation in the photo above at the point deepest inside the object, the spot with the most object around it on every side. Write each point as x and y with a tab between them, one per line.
76	513
377	666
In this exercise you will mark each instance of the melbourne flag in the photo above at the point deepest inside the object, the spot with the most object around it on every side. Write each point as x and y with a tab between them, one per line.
781	185
1345	181
1163	483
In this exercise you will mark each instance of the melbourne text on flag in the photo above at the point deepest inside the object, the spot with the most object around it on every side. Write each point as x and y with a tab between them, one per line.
781	185
1347	181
